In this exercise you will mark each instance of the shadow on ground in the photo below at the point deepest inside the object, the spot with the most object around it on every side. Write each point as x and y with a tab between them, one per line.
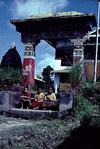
83	137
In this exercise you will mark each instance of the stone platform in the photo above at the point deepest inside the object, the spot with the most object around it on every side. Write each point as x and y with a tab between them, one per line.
32	114
9	100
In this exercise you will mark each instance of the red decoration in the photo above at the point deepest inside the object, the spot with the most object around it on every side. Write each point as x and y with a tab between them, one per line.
28	71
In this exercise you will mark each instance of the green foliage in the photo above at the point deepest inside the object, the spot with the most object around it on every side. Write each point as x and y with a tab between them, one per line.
76	74
95	121
34	134
10	76
90	92
10	73
82	107
87	84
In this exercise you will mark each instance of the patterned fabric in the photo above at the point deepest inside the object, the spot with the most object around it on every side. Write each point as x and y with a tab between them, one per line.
37	104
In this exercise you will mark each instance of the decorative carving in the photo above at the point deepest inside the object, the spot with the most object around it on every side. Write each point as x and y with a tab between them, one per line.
27	69
78	55
29	50
78	42
29	47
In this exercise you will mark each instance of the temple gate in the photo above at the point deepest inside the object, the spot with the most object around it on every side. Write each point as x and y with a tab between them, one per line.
62	31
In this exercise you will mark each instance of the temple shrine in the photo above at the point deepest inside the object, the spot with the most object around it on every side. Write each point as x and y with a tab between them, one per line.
72	34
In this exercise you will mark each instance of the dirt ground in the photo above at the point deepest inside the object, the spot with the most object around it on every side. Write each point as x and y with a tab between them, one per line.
34	134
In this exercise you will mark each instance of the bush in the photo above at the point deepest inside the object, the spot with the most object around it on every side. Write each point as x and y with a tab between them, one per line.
82	107
9	76
91	92
10	73
76	74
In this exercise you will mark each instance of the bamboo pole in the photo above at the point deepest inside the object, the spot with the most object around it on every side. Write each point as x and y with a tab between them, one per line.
97	36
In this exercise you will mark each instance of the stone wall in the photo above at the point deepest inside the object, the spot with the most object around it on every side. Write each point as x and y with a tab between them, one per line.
8	100
66	102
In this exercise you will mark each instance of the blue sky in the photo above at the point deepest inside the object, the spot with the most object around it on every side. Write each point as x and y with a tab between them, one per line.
13	9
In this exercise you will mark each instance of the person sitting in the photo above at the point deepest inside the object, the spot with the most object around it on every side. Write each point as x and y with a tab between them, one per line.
50	99
39	97
50	96
26	98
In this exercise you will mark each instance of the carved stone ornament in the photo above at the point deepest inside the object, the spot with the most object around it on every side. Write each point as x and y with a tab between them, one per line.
29	50
78	42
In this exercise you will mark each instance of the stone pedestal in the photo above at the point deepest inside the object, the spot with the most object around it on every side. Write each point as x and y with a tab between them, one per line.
8	100
66	102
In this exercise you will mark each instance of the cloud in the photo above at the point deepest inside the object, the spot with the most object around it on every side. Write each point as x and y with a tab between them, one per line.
2	3
26	8
46	59
59	5
11	27
45	55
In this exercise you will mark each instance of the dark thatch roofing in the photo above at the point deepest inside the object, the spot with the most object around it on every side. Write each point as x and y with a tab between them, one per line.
11	59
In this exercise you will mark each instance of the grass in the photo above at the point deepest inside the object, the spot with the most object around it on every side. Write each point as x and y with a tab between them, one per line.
48	134
43	134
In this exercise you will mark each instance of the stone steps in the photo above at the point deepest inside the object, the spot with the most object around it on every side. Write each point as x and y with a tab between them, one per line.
32	114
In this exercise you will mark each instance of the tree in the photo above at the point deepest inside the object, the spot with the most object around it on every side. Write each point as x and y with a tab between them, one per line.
10	76
47	75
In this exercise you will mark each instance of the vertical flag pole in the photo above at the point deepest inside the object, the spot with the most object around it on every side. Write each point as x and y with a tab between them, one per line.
96	54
